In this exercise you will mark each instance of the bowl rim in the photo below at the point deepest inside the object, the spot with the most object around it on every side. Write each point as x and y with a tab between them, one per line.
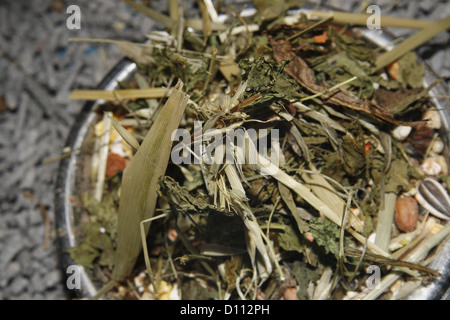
67	170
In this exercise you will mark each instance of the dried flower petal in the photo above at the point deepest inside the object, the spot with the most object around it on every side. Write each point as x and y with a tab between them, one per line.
116	164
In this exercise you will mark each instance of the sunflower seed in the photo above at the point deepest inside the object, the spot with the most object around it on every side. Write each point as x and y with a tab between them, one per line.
432	196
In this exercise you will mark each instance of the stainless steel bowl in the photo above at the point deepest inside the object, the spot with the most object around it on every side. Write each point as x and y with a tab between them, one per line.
68	170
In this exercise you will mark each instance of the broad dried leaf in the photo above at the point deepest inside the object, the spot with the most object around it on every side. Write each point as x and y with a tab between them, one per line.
140	182
300	71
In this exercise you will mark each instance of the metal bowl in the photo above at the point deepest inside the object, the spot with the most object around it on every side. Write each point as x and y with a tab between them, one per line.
68	171
124	70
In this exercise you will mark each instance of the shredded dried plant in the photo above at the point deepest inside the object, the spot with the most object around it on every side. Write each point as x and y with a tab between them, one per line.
284	164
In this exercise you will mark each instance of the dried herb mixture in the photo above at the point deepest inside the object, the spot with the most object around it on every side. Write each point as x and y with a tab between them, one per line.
313	213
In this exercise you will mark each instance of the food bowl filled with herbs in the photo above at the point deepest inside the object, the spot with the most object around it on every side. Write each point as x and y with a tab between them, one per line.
264	153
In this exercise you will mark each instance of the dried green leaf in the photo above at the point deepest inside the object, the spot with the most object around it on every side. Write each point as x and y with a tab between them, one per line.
397	176
104	212
341	67
268	78
84	255
305	275
410	71
102	242
269	9
356	48
96	247
326	234
289	238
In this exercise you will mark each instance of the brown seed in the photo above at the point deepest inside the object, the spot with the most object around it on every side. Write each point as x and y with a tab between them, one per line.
406	213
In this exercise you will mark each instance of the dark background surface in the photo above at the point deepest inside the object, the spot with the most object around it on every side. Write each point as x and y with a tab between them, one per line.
39	67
